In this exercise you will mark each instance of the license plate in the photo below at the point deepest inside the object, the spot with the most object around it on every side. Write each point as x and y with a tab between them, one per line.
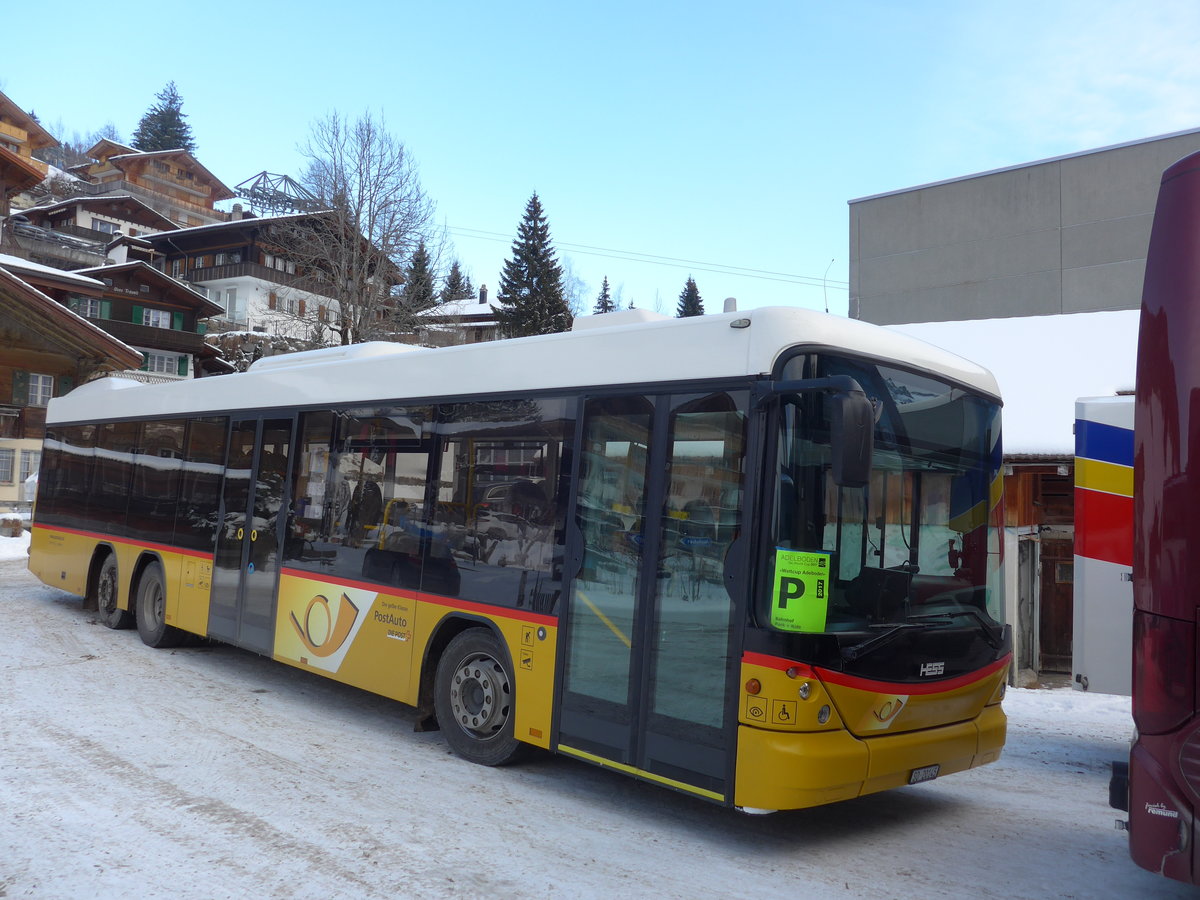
926	773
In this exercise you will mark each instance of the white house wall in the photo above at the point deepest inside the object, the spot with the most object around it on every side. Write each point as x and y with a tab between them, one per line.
253	310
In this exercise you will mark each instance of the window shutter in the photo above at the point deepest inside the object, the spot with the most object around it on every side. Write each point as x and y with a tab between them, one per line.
73	304
272	301
177	321
145	366
301	307
137	315
183	365
201	328
106	309
20	384
64	385
321	311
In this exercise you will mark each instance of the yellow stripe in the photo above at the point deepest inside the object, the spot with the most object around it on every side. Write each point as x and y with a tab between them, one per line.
631	770
970	519
1094	475
605	619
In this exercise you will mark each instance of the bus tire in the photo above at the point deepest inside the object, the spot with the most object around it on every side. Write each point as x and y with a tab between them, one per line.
474	698
104	596
152	608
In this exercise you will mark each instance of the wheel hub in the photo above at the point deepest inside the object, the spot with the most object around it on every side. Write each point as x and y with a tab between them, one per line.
479	696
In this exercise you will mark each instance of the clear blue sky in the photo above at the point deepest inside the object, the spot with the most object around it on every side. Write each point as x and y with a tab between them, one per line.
726	135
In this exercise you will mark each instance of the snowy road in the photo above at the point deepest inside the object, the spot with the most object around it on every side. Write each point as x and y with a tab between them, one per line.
208	772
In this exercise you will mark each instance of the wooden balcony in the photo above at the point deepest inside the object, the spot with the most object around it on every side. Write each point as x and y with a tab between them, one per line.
151	337
257	270
160	202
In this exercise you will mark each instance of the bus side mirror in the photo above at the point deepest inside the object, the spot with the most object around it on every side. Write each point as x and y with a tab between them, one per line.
853	438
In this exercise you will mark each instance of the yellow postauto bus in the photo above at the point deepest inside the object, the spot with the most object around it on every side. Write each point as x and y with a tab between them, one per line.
754	557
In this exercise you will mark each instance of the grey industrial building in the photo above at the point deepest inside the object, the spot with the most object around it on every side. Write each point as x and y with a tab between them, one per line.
1062	235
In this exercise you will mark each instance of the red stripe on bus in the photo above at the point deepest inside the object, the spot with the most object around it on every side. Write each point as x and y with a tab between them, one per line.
145	545
895	687
1104	527
506	612
776	662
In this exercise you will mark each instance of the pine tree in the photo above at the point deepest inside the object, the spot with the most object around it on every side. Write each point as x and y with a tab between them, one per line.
418	292
604	303
531	292
458	286
690	303
164	126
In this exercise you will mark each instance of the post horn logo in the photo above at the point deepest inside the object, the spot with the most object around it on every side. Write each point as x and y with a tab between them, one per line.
330	631
888	710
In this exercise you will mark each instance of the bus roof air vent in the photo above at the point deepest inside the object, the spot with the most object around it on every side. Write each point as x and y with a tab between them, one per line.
614	319
330	354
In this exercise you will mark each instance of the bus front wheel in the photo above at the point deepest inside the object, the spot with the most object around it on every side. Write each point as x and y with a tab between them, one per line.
474	700
152	610
104	595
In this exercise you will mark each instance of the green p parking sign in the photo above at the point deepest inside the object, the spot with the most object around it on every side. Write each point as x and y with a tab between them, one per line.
800	594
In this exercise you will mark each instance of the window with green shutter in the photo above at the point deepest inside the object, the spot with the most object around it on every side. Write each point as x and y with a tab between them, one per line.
20	393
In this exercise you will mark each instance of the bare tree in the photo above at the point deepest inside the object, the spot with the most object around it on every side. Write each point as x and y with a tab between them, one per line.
375	215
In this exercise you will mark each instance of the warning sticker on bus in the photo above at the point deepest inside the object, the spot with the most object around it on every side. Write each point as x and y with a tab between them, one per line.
800	594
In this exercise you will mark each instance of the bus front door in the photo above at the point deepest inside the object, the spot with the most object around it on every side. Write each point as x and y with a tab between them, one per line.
648	662
242	608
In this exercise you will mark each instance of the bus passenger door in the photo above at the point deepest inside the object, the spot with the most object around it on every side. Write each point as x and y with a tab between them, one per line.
648	660
249	535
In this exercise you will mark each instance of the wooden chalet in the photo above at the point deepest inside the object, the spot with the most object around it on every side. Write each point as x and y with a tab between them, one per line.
20	137
153	312
100	218
245	265
173	182
45	351
458	322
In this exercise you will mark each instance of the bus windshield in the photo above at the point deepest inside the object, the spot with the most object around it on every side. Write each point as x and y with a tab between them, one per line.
922	542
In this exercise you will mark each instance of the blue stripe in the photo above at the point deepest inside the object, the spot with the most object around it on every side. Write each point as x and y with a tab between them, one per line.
1106	443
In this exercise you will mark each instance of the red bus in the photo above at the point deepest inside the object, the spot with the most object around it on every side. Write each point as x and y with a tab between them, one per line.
1160	785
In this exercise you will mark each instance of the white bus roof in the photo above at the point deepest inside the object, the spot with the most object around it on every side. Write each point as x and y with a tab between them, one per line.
613	349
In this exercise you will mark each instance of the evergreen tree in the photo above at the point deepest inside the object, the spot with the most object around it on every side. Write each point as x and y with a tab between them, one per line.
418	292
164	126
458	286
690	303
604	303
531	292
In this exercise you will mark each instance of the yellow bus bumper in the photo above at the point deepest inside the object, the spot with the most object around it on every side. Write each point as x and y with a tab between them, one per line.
782	770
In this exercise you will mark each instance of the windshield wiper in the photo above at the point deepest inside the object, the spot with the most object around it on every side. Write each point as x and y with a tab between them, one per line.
985	627
872	644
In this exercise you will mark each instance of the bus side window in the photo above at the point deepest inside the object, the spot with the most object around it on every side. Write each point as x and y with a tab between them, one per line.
501	495
200	483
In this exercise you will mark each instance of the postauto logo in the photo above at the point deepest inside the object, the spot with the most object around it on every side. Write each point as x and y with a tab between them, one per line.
324	630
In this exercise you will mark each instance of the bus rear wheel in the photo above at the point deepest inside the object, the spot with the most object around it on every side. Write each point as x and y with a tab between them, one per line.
474	697
104	596
152	610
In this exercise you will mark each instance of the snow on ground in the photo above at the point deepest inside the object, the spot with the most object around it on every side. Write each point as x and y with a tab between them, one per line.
209	772
14	548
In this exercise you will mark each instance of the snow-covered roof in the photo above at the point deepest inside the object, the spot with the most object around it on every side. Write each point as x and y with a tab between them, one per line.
17	265
92	202
1043	365
463	307
232	223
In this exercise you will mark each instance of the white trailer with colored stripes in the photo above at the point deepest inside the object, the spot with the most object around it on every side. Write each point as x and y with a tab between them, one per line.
1103	595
